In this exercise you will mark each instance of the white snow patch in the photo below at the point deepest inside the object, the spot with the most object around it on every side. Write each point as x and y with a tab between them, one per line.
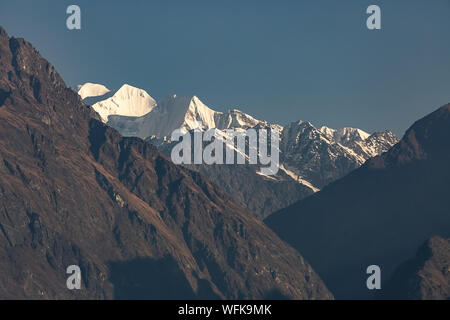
299	179
91	90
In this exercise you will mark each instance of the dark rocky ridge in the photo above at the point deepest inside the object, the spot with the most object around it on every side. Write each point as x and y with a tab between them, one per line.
378	214
261	195
73	191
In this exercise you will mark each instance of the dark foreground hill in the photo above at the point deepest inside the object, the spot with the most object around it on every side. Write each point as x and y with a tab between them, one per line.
75	192
379	214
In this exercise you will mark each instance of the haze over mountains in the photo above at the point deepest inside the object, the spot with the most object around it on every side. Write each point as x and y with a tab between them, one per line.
310	158
73	191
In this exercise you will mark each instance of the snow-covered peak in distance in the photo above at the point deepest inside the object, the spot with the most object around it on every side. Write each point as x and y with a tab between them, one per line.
344	135
328	132
176	112
91	90
196	112
127	101
173	112
323	155
135	113
234	119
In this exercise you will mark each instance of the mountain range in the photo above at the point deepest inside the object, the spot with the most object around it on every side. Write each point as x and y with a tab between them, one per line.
85	180
310	158
379	214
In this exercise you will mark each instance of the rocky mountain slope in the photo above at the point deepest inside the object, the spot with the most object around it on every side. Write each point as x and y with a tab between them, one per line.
73	191
425	276
261	194
378	214
321	156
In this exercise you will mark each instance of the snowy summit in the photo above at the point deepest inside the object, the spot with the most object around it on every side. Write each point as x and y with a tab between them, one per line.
127	101
91	90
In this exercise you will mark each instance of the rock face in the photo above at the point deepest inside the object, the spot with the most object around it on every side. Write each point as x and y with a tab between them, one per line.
261	194
378	214
321	156
424	277
75	192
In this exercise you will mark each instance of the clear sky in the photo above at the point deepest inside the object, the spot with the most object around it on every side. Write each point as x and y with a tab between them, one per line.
280	60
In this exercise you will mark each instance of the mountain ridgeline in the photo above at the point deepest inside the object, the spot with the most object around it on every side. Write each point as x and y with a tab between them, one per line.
73	191
378	214
310	158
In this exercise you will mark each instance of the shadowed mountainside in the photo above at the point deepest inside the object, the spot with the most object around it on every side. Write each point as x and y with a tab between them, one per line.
74	191
378	214
426	276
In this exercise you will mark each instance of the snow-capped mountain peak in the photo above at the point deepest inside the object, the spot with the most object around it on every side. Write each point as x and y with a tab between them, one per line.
127	101
350	134
91	90
129	92
235	119
344	135
170	113
177	112
328	132
198	111
324	155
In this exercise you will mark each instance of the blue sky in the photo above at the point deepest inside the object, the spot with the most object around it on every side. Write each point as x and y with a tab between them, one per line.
281	60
